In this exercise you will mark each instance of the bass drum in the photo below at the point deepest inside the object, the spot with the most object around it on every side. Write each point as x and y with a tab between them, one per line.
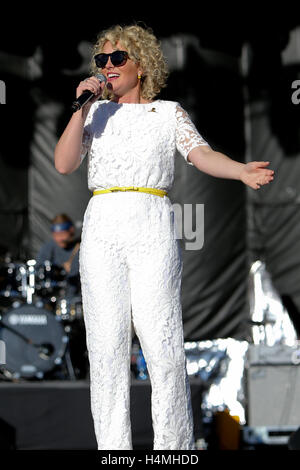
35	341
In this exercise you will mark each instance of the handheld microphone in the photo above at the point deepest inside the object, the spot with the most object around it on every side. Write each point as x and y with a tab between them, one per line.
86	95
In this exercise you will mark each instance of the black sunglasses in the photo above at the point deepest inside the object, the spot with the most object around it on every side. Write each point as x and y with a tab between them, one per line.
117	58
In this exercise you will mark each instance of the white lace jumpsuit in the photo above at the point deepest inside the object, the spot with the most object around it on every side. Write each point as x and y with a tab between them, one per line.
131	266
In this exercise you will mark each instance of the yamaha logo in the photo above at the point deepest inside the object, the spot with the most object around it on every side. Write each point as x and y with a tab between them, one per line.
27	319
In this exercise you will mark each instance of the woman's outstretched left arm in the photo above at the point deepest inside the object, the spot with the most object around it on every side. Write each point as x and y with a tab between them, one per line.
253	174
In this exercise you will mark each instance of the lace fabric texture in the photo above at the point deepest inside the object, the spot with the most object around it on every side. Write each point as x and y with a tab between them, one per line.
135	144
131	267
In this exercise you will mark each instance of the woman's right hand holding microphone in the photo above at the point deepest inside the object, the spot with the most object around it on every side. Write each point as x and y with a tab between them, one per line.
67	155
94	85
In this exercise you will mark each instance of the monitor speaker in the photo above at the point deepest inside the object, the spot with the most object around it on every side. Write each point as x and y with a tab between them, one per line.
273	386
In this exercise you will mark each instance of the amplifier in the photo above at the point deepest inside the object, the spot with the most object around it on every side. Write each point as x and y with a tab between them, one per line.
273	386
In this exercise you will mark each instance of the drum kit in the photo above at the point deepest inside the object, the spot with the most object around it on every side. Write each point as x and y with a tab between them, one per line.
41	326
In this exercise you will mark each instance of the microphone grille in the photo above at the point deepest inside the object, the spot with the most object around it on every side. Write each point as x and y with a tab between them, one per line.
101	77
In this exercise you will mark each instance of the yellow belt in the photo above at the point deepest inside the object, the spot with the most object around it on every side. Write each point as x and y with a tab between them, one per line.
157	192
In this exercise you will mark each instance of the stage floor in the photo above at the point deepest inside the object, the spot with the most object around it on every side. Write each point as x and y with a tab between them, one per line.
55	415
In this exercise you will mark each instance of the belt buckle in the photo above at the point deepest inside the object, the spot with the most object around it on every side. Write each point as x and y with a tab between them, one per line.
128	188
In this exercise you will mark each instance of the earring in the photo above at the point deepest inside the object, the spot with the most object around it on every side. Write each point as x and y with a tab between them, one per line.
139	76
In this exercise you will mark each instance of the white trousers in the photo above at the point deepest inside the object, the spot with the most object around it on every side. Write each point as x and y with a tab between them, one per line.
130	268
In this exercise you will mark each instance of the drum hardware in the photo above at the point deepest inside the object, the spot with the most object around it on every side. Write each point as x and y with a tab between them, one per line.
68	359
12	280
69	309
30	288
62	310
35	323
23	274
50	279
27	279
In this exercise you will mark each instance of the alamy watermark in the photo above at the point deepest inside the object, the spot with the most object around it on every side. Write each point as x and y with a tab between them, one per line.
2	352
296	94
2	92
189	224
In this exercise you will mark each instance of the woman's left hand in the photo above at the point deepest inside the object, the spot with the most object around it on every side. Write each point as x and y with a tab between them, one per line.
255	174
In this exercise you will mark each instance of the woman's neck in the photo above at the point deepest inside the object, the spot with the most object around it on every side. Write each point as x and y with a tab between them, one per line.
133	97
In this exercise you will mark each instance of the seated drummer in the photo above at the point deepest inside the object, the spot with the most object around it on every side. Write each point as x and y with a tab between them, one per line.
63	251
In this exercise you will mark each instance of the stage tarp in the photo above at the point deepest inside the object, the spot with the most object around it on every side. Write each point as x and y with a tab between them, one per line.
239	223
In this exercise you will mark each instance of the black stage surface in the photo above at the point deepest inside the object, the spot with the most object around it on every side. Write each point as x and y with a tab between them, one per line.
55	415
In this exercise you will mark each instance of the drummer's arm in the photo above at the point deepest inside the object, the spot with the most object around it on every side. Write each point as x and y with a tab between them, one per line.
67	266
74	267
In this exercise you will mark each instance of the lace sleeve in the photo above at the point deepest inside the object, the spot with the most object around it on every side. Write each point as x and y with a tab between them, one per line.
187	135
86	136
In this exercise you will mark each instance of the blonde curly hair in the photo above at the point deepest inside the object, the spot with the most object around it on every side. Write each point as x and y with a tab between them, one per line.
144	49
